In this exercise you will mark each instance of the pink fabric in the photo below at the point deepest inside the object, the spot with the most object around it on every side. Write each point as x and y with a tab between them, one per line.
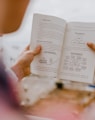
57	111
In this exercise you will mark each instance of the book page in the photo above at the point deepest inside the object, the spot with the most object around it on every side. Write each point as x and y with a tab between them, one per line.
78	60
49	32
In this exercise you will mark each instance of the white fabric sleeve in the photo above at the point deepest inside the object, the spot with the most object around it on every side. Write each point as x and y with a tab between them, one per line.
11	74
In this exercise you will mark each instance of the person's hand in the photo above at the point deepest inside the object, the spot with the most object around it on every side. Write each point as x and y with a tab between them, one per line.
22	65
91	45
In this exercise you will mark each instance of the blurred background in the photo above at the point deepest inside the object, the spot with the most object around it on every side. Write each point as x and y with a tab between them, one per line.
16	39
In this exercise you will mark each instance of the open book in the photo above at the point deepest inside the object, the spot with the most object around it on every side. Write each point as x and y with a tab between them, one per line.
65	54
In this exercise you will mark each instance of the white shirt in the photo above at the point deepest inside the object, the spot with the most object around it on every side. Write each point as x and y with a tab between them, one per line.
11	74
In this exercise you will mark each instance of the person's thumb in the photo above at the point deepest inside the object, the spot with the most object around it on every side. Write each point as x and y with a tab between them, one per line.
37	50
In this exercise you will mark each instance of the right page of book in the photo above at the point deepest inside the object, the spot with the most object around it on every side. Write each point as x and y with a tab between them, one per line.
78	60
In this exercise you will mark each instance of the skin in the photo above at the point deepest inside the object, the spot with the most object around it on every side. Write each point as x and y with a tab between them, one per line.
22	65
91	45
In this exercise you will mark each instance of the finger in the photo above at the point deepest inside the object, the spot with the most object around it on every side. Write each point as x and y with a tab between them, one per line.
37	50
31	54
91	45
27	48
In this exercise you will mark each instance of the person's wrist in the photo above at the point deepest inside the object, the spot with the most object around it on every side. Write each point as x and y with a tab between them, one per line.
18	71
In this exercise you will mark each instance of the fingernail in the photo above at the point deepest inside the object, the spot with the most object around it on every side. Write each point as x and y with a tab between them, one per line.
38	47
89	43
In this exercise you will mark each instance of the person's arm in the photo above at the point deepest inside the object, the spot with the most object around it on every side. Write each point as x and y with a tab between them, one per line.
22	66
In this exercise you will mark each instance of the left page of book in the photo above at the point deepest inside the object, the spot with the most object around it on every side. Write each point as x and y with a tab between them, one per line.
47	31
